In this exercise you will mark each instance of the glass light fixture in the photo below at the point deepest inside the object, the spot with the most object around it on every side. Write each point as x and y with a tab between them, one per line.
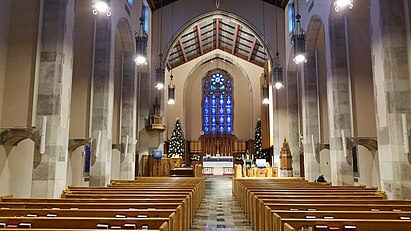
340	4
171	91
278	73
141	44
298	40
265	90
160	73
101	6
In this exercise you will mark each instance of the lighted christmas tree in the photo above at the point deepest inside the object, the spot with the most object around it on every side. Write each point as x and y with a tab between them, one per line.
257	141
176	145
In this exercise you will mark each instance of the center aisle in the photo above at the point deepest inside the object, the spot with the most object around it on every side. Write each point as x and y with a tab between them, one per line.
219	210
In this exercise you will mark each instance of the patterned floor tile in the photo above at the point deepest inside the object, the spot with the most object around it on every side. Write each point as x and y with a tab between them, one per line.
219	210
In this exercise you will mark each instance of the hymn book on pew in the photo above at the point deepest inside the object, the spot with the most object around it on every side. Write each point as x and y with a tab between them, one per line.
321	228
350	228
331	228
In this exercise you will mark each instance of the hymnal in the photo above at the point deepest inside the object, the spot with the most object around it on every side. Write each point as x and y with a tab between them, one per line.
350	228
321	228
25	225
115	227
142	216
333	228
130	226
311	209
31	215
3	225
144	227
120	216
328	217
51	215
102	226
404	218
310	217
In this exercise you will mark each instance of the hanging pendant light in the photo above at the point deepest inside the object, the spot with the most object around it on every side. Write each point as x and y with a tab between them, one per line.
171	91
265	91
278	73
298	40
160	73
101	6
278	69
141	43
340	4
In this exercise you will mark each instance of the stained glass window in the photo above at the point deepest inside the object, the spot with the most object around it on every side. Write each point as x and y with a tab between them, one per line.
217	104
130	2
291	18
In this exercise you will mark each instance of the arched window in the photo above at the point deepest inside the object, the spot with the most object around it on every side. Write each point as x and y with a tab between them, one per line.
217	104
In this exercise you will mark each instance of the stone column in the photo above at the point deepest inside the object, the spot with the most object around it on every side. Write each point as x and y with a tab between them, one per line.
390	49
102	102
53	96
292	111
339	105
310	117
128	116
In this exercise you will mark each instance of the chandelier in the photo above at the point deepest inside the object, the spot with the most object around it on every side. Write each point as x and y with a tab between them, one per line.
101	6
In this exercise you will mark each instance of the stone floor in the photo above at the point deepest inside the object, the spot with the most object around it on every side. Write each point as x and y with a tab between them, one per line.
219	210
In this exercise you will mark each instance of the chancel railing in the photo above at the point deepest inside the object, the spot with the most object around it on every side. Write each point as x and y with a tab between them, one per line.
217	145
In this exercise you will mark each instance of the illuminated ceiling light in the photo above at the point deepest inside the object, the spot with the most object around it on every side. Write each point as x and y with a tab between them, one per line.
171	91
265	90
101	6
340	4
160	73
298	40
141	44
277	72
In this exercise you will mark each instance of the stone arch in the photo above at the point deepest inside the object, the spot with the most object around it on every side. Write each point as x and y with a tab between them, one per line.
229	59
124	111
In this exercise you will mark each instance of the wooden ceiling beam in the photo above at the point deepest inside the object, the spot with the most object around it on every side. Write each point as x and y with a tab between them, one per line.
217	34
200	43
235	38
151	4
252	49
182	50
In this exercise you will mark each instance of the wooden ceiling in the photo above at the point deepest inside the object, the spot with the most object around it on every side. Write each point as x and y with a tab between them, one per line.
217	33
156	4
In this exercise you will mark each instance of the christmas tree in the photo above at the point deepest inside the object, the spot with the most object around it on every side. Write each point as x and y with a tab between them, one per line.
176	146
257	141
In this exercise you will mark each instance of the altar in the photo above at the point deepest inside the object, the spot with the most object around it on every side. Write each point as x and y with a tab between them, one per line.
218	165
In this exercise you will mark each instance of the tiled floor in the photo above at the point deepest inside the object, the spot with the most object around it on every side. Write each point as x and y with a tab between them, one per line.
219	209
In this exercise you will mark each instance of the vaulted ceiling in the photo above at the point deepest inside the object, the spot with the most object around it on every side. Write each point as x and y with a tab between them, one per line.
156	4
217	33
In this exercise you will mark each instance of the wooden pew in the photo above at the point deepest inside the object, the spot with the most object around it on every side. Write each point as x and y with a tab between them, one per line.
361	224
369	215
82	222
171	200
266	200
